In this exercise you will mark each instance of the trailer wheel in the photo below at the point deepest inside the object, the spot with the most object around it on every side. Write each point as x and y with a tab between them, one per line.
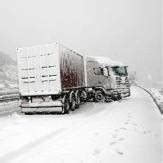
99	96
78	100
129	93
66	105
83	96
73	103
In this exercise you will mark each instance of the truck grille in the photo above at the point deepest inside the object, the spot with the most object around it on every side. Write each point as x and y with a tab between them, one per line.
122	83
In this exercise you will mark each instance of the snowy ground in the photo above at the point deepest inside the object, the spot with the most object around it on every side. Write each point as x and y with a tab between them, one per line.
158	95
7	108
121	132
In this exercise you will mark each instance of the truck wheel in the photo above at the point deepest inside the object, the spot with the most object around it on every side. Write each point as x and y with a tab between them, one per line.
78	101
129	93
66	105
73	103
99	96
83	96
117	97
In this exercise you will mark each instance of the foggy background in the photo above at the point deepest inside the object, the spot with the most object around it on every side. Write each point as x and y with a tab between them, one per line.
124	30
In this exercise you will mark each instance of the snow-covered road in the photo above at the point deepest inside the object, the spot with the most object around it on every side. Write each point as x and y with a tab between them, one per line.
121	132
7	108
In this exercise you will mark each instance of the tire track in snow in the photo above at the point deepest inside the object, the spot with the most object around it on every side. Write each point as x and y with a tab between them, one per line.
9	108
55	134
26	148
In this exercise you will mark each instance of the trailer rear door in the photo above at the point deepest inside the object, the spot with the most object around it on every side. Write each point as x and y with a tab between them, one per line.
38	70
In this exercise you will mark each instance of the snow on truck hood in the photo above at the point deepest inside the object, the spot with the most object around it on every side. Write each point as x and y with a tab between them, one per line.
105	61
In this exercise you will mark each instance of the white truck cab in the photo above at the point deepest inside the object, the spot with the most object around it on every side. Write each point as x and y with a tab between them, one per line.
109	77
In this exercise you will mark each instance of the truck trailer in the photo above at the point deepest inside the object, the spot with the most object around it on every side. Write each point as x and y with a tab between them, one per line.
53	78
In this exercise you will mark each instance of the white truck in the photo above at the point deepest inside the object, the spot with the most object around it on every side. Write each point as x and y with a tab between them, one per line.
107	78
53	78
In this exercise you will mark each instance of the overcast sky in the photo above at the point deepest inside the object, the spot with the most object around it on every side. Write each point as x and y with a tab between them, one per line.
124	30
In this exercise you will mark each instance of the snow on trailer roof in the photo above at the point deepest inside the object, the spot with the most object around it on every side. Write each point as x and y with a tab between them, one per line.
51	45
42	47
38	45
105	61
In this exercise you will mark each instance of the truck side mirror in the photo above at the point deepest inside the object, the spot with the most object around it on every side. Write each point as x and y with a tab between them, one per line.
105	71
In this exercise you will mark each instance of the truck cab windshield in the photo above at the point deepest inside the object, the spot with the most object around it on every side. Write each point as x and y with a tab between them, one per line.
120	71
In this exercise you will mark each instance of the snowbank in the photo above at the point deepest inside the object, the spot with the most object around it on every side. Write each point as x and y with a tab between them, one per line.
158	96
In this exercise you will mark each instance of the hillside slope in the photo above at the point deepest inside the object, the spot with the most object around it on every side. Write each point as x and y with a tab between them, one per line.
8	72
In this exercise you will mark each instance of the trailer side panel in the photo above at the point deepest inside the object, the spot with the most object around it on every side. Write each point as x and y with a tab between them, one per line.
72	69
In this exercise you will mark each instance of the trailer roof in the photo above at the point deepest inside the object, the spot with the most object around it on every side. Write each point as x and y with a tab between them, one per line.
47	45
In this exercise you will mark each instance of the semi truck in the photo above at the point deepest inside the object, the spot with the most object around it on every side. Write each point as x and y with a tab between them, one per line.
107	78
53	78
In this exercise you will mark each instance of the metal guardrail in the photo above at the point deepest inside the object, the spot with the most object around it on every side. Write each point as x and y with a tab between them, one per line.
9	97
14	96
154	99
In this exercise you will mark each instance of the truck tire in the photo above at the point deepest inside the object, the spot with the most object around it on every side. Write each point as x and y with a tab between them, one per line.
99	96
83	96
66	105
73	102
78	100
118	97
